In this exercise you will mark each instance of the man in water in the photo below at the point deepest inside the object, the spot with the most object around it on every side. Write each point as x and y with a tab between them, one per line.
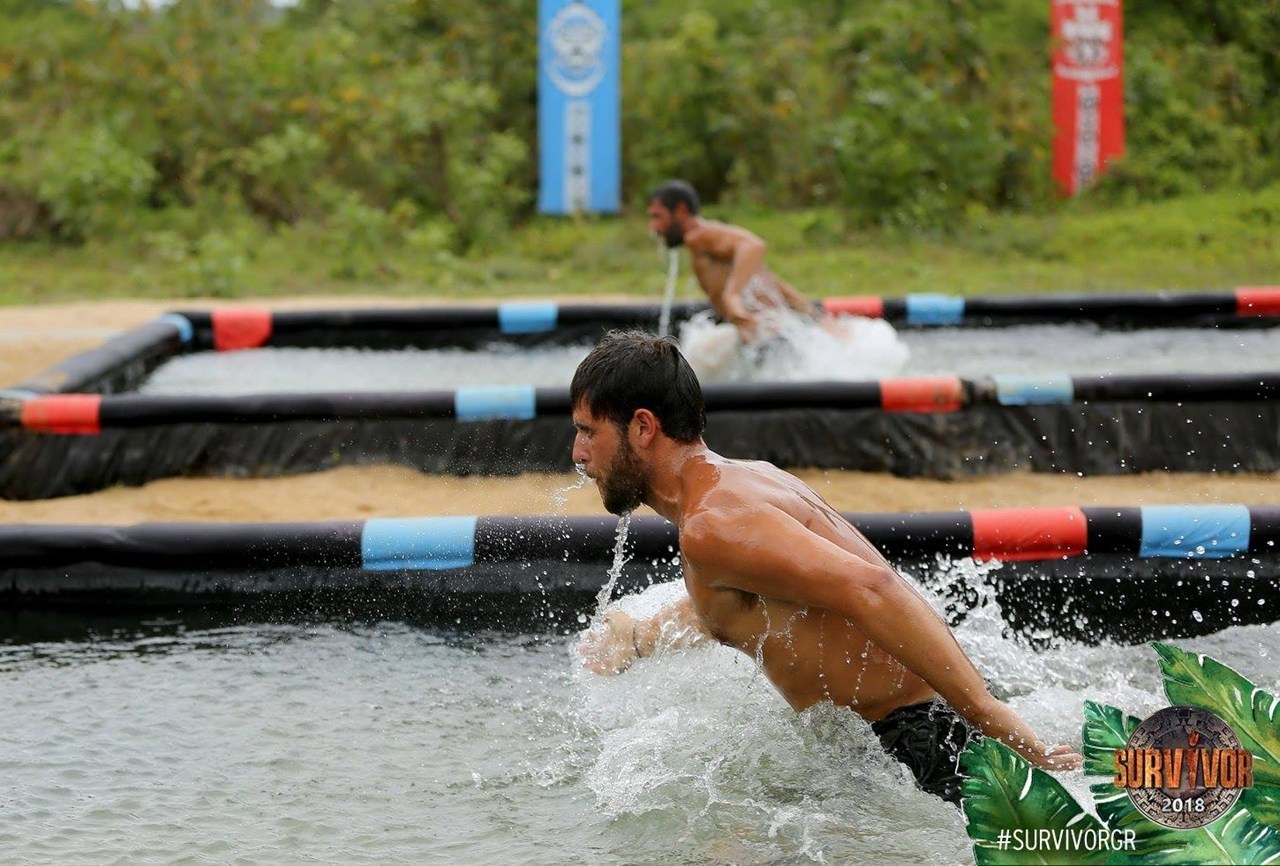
727	260
775	572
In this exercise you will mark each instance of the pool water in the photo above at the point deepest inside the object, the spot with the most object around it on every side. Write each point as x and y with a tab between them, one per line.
861	349
367	743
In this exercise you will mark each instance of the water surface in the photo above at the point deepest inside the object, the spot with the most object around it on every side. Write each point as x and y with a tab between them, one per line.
368	743
866	349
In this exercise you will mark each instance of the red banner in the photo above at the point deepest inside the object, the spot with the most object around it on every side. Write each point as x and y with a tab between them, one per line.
1088	90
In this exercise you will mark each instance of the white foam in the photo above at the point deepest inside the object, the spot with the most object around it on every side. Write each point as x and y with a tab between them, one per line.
698	737
850	348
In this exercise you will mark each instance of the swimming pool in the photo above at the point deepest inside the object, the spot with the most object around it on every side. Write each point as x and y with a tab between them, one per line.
125	414
385	741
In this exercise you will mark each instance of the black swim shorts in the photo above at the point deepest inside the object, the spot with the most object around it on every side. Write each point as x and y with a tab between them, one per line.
928	738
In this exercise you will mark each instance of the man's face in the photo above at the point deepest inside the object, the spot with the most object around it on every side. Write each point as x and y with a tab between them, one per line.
605	454
665	223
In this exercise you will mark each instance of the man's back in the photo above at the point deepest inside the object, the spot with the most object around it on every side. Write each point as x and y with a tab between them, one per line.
810	654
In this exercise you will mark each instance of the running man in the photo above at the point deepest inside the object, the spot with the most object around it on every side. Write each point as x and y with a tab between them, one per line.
727	260
772	569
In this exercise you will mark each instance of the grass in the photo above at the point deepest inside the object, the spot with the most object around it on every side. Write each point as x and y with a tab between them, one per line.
1210	241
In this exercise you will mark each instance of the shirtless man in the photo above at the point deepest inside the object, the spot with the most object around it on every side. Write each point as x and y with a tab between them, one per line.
727	260
771	569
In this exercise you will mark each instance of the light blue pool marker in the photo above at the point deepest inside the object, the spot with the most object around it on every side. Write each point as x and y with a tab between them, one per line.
420	543
182	323
934	309
1194	531
528	317
18	394
1015	389
495	402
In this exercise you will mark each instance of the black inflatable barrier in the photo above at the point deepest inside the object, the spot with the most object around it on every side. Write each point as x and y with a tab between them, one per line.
120	364
1179	428
1090	574
532	322
75	428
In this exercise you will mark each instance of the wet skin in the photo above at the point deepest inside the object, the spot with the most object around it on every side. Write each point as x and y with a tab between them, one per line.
809	654
775	572
726	259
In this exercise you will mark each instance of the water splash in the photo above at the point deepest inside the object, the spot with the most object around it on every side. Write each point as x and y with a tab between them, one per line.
615	570
798	348
560	496
691	753
669	292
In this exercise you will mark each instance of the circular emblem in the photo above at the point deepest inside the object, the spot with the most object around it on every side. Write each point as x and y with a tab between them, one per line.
1184	767
574	40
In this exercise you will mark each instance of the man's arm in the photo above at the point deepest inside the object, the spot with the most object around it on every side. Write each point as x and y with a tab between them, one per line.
748	259
623	639
745	253
778	557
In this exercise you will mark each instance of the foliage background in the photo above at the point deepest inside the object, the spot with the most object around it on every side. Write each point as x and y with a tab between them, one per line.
208	135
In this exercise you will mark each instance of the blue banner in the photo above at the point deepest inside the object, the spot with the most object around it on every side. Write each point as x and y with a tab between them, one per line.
578	106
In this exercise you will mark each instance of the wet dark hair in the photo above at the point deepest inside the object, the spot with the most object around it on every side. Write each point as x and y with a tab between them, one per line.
630	370
673	192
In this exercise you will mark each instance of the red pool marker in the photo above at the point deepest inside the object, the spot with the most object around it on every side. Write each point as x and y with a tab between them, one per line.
855	305
930	394
1028	533
241	328
73	414
1258	301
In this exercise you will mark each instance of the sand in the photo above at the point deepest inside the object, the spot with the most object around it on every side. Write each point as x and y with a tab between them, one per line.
32	338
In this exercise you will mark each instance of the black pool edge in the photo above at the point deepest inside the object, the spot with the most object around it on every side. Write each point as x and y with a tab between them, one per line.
122	362
1084	574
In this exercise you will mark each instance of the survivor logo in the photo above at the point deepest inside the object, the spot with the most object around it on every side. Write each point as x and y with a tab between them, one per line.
1183	767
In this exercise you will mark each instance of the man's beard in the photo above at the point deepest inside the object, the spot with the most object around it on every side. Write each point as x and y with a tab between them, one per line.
674	236
625	487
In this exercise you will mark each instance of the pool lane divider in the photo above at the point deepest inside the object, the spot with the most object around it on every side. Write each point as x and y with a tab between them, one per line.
435	543
1041	390
88	414
238	328
115	364
935	310
235	328
530	317
120	363
1185	532
1134	308
1258	301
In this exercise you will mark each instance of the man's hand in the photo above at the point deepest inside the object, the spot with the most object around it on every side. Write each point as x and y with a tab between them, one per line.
1057	759
746	325
610	647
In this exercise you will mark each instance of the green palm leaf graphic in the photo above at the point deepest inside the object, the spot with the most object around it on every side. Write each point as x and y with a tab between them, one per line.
1004	792
1105	730
1234	838
1254	714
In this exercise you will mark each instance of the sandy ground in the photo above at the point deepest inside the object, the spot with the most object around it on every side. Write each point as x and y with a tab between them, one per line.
32	338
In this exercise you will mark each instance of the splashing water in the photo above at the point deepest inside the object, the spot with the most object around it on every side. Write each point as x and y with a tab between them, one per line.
794	347
560	496
689	757
694	736
669	292
615	570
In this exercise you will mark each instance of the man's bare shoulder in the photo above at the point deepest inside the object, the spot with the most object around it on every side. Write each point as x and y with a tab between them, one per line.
728	496
711	235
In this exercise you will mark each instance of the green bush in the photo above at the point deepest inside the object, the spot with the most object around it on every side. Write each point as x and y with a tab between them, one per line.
415	121
87	180
906	157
